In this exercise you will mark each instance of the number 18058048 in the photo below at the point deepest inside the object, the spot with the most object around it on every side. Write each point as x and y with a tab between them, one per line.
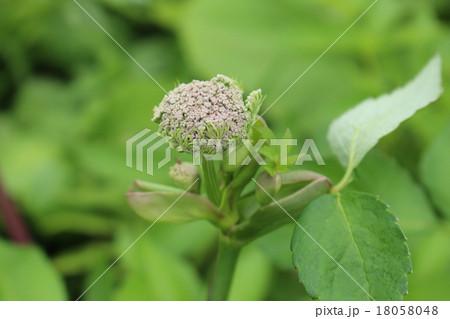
407	310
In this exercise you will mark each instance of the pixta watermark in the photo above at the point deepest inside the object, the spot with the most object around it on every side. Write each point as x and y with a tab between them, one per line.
142	148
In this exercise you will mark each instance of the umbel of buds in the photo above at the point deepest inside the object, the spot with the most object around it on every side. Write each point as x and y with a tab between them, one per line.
206	113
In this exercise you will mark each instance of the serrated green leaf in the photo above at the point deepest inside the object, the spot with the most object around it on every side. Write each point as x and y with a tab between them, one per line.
436	172
27	274
353	134
383	176
363	237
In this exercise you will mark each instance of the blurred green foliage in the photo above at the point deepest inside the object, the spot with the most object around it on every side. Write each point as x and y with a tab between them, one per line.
70	98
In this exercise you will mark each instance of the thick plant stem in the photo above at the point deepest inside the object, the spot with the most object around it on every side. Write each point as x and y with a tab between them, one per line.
224	270
210	181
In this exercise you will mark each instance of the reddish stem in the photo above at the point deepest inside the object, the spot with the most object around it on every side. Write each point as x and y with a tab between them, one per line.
15	224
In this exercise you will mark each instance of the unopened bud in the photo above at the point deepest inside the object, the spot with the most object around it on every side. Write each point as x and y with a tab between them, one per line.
185	175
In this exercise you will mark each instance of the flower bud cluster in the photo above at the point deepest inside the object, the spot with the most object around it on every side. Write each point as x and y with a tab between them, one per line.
201	111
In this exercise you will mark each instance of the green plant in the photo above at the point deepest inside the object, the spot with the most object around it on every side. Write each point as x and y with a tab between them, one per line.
347	245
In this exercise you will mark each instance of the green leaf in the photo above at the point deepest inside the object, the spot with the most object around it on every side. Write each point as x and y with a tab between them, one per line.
74	221
436	173
202	236
27	274
271	168
276	246
270	153
107	288
31	163
152	272
273	153
180	207
287	135
353	134
82	259
383	176
252	277
146	186
265	132
362	236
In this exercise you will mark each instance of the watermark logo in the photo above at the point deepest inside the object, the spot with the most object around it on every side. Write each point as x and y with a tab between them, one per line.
307	152
147	142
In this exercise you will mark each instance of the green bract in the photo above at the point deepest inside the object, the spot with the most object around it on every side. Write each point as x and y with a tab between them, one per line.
148	200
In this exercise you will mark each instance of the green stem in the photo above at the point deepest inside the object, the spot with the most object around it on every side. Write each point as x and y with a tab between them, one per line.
343	182
223	273
231	193
210	180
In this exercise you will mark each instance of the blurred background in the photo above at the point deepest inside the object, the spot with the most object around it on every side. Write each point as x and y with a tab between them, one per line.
70	98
